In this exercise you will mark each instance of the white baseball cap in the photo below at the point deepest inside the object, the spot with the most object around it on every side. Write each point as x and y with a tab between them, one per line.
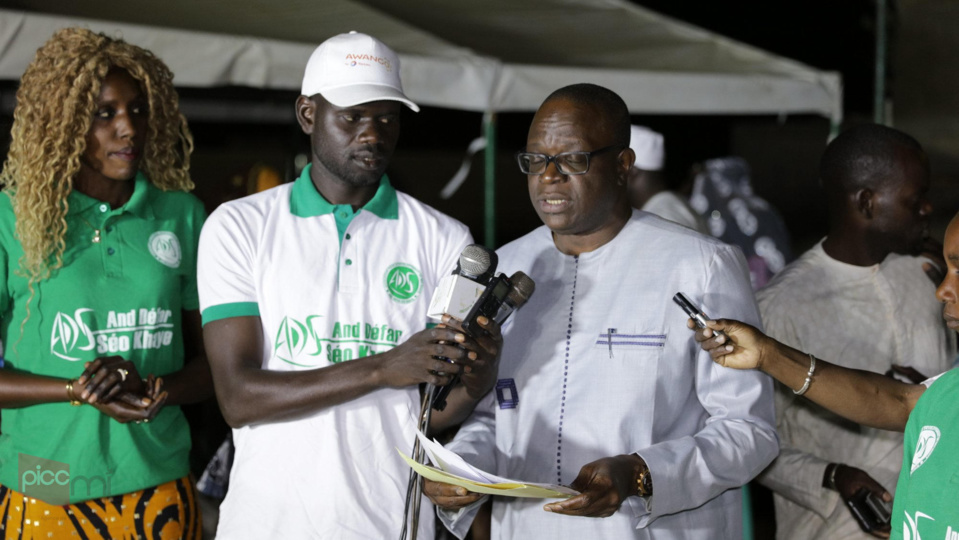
648	147
354	68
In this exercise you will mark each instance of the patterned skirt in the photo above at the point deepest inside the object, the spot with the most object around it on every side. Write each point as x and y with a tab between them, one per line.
167	511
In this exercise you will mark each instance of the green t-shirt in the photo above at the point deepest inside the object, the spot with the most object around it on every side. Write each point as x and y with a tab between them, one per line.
927	494
124	296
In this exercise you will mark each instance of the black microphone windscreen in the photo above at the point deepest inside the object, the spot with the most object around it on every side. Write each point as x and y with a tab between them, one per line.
523	288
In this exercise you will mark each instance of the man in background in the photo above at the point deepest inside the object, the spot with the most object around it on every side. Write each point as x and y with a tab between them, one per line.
648	189
861	299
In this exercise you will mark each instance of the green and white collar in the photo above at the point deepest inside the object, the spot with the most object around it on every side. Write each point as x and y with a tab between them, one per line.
306	201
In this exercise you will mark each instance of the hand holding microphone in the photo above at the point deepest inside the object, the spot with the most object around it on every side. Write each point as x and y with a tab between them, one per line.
482	302
500	299
484	322
476	301
502	296
454	297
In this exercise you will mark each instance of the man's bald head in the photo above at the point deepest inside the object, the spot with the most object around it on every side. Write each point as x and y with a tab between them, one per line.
611	108
876	180
865	157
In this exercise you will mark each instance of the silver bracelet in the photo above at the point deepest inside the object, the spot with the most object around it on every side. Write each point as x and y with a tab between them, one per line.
812	369
832	476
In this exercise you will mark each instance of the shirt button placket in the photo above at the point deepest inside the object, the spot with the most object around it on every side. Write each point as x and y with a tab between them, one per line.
349	269
112	261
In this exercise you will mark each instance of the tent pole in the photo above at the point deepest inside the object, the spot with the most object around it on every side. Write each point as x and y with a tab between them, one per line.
489	191
879	98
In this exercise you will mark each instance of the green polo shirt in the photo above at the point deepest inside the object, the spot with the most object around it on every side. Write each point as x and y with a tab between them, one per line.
124	296
928	487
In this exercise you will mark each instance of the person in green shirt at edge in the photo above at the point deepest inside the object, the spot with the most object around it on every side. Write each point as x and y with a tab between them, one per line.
927	492
99	312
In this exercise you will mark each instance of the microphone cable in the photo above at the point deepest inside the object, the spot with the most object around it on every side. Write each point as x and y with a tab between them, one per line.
414	486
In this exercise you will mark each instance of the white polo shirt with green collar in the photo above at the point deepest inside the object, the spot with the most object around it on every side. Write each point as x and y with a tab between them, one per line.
330	285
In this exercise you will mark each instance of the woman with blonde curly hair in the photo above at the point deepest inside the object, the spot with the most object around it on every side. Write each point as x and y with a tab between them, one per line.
98	241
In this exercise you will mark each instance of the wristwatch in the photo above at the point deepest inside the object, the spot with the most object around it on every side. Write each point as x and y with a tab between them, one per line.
644	482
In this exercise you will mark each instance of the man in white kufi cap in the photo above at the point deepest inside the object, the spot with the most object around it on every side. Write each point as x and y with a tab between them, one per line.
647	186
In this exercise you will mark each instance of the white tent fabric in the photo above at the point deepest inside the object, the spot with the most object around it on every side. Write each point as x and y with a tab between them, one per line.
202	59
477	55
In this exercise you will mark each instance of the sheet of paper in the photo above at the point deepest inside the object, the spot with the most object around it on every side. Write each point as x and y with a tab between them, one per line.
452	463
450	468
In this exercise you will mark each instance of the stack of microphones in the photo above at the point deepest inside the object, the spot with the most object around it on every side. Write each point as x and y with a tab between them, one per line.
473	290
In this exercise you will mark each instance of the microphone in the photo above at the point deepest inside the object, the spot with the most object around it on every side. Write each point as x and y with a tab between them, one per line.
502	297
523	288
456	293
477	263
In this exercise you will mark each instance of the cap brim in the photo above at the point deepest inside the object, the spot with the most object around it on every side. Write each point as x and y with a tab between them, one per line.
347	96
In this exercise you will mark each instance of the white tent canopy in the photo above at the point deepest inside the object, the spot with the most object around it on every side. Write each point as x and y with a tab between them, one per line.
477	55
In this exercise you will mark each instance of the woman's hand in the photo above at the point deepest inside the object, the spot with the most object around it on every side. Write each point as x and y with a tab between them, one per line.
106	378
126	408
731	343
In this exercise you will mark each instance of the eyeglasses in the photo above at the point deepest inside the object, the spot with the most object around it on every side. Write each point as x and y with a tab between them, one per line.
566	162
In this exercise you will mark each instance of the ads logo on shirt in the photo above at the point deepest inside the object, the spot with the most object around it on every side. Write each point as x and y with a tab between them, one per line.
292	339
74	335
928	439
402	282
305	344
165	247
910	527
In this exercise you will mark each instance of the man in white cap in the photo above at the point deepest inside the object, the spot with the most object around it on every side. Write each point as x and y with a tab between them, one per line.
314	296
647	187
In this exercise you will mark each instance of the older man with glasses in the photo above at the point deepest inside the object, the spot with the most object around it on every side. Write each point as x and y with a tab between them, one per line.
600	385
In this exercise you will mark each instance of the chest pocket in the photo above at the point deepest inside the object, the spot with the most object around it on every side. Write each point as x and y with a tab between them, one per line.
624	366
616	342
